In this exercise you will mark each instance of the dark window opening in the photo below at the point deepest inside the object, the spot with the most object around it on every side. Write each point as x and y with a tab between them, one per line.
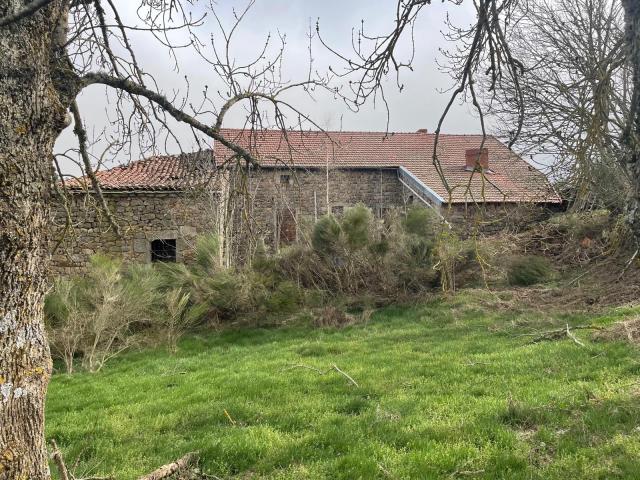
410	200
285	179
337	210
163	250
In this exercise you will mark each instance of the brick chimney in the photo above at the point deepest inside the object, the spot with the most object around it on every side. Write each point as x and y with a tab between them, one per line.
476	157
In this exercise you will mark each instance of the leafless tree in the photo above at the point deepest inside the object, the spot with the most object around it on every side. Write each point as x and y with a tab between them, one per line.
480	50
576	93
483	58
50	51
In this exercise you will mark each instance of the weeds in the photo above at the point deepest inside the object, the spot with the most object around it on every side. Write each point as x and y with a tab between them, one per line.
529	270
352	260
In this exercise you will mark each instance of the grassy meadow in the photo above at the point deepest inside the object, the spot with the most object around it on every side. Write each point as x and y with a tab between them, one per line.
449	389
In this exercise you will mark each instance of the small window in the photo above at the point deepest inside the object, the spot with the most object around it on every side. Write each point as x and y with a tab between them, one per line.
410	200
337	210
163	250
285	179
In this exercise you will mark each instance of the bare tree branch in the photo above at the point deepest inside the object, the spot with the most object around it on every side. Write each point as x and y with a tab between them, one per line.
81	133
26	11
162	101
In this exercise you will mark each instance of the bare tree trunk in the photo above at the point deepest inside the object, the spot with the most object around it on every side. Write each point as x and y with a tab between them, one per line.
31	117
631	138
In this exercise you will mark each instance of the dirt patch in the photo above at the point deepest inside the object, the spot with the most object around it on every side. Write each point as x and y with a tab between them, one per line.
629	331
592	256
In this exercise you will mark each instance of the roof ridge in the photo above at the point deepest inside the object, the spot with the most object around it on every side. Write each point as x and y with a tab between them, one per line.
417	133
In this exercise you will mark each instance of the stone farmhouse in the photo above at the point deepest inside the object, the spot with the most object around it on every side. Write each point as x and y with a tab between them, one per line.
163	203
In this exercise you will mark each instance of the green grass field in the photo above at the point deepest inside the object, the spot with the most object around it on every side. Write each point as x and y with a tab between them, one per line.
445	390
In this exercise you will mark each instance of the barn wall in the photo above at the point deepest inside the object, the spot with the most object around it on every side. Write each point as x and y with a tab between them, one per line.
492	218
142	217
282	200
274	204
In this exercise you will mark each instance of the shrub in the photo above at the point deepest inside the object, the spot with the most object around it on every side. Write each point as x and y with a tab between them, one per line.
284	299
208	252
449	251
577	225
180	316
66	320
528	270
356	224
380	247
332	317
97	316
421	222
326	235
112	308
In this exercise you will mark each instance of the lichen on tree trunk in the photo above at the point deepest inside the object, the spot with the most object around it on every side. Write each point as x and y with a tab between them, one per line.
31	118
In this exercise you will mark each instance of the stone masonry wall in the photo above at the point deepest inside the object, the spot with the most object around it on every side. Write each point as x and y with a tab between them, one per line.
273	204
142	217
282	200
491	218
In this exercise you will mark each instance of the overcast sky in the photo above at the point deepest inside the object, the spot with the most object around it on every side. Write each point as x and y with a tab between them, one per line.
418	106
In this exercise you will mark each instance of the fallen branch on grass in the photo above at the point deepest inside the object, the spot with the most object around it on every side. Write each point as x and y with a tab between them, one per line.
334	367
473	364
56	456
560	333
163	472
573	337
626	267
231	420
171	468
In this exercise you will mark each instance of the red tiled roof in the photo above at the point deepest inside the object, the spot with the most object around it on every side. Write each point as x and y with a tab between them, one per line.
512	179
171	173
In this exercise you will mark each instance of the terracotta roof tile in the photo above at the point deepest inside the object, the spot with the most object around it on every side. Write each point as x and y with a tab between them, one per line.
159	173
512	179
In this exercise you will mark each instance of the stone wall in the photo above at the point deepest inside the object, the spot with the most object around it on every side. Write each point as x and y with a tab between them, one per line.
142	217
283	200
272	204
491	218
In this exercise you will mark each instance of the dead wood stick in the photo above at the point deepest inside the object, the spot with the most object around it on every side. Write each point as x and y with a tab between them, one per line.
573	337
628	264
579	277
170	468
320	372
335	367
231	420
559	333
56	454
